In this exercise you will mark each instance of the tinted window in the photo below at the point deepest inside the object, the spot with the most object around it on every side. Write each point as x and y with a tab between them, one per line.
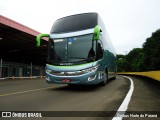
75	23
71	50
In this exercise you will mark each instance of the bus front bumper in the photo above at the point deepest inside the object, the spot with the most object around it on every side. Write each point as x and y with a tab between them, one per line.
88	78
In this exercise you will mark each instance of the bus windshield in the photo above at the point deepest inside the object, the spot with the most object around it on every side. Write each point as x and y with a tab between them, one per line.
71	50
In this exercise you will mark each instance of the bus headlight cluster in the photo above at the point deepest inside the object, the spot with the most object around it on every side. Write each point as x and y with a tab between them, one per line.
92	69
74	73
48	71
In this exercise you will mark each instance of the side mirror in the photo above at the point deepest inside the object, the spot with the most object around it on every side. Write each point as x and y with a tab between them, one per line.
97	32
39	37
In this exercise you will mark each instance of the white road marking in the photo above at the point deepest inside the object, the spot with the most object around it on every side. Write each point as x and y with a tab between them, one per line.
26	91
122	109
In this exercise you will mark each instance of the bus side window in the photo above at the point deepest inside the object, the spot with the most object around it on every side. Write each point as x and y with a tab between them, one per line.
51	52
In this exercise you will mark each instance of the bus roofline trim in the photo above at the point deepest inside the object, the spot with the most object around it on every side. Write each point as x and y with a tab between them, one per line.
77	33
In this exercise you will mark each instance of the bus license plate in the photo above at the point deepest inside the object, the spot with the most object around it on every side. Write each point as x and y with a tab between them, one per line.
66	80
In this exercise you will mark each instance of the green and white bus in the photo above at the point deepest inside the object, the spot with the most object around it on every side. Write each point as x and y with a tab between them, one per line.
79	51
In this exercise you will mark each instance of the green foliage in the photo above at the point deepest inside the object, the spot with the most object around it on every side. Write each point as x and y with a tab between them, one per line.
135	59
121	63
152	52
142	59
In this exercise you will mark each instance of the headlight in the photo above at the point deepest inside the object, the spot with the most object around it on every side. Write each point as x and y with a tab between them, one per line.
48	71
92	69
58	73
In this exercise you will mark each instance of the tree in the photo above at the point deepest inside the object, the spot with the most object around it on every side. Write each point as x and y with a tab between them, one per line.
135	60
142	59
152	52
121	63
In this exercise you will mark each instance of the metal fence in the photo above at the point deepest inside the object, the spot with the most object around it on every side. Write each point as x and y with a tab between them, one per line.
12	69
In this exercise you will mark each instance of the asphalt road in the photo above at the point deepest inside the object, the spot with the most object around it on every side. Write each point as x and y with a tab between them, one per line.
36	95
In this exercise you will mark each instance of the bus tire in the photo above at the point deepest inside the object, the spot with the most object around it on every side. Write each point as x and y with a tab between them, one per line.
115	75
103	83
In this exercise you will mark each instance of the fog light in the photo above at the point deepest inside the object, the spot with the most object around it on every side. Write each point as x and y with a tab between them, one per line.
48	79
91	77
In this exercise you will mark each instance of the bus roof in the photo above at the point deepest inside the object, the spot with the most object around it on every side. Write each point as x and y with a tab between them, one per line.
74	23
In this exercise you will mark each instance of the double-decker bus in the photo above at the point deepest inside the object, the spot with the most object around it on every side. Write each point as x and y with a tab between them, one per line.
79	51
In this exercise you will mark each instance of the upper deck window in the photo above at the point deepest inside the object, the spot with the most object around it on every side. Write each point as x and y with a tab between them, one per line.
75	23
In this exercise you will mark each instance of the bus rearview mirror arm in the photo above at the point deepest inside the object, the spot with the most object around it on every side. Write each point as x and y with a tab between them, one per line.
97	32
39	37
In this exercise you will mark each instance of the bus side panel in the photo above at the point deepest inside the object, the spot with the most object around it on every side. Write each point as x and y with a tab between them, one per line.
110	63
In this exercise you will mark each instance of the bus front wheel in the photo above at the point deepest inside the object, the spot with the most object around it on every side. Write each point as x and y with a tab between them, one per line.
103	83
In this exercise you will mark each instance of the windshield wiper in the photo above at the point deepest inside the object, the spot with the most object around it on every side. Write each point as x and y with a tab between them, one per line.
78	58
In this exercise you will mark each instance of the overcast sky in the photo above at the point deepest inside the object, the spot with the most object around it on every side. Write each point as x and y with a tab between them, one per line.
128	22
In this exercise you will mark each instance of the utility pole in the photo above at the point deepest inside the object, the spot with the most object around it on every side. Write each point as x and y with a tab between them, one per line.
126	52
